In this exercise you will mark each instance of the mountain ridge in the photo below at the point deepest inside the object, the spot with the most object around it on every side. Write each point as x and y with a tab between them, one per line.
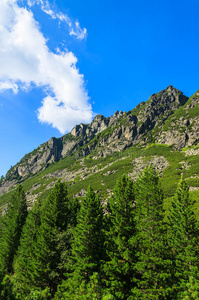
167	118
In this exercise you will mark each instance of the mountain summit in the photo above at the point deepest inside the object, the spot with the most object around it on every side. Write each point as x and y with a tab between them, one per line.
168	117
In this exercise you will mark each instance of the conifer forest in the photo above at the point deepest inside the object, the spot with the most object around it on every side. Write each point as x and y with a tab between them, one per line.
131	246
99	156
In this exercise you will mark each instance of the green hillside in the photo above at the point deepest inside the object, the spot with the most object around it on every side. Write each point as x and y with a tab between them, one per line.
163	131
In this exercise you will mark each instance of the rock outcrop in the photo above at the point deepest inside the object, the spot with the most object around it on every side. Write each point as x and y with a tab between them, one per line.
168	117
181	129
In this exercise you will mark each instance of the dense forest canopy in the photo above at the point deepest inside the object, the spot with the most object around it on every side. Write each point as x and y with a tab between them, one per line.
130	248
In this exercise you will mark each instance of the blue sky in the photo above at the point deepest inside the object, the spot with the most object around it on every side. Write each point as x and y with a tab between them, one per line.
62	62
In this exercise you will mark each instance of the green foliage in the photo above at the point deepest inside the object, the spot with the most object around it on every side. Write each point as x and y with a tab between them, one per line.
50	242
192	290
119	269
39	295
151	263
183	238
48	267
24	259
121	162
85	290
135	111
88	245
130	249
6	289
11	228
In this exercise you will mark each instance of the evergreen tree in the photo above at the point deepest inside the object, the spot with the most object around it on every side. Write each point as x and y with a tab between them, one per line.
88	245
120	269
24	259
44	266
6	289
183	239
48	268
192	290
85	290
11	228
152	260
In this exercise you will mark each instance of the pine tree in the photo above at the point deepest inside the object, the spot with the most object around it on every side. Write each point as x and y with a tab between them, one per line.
192	290
49	245
183	238
120	268
6	289
48	269
88	246
151	237
11	229
24	258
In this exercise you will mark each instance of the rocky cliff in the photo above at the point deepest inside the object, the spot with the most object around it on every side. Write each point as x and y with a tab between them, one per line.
168	117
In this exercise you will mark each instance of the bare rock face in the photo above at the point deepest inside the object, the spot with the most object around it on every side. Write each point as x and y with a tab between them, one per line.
98	124
160	107
182	129
79	130
173	138
168	117
37	160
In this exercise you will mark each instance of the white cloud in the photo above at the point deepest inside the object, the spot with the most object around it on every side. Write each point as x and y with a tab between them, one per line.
78	32
26	61
74	29
52	109
9	86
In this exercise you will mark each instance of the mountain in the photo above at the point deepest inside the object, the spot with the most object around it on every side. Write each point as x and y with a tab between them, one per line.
163	131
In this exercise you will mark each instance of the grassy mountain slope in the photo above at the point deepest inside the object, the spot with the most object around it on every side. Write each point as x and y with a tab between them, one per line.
163	131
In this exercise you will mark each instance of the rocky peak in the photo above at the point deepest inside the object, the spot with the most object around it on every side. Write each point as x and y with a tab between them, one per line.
79	130
162	104
168	96
181	129
142	125
98	124
98	118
